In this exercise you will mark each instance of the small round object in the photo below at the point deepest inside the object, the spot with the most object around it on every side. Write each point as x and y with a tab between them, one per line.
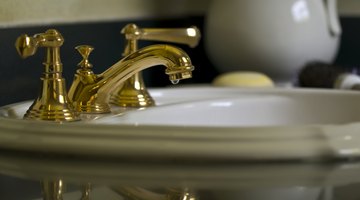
243	79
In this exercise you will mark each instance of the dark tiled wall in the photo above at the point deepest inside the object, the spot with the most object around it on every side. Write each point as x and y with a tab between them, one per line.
19	79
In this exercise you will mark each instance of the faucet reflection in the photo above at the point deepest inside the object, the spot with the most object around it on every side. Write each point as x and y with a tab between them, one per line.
52	189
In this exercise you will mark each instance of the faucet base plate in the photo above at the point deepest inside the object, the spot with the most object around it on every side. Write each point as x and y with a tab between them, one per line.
93	108
135	101
58	115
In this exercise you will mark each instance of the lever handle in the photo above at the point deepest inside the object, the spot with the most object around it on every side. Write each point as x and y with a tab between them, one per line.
189	36
27	45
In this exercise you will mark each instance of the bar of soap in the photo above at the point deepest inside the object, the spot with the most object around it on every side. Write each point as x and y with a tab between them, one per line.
243	79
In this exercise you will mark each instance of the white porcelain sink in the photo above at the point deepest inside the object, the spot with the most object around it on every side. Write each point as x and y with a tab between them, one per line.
203	123
215	107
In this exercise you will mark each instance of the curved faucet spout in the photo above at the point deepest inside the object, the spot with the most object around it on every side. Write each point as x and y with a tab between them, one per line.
85	92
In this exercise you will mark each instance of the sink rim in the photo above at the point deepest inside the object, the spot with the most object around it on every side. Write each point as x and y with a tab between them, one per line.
302	142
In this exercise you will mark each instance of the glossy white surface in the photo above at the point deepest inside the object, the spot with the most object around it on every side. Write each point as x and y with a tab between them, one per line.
247	109
204	123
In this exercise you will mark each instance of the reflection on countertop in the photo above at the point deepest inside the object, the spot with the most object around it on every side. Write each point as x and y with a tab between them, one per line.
205	179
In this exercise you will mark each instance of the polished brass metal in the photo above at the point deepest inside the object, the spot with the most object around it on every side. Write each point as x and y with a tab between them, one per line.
52	103
137	193
86	190
180	194
85	76
97	90
52	189
133	92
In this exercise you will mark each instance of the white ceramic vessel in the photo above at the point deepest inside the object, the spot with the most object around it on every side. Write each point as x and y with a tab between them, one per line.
276	37
203	123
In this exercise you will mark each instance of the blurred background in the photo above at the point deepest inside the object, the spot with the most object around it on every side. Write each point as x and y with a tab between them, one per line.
98	23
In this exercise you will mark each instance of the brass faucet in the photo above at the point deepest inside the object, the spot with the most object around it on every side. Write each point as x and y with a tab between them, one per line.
90	93
133	92
52	103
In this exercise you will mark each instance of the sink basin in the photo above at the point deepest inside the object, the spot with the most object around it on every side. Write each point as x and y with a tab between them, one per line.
214	107
203	123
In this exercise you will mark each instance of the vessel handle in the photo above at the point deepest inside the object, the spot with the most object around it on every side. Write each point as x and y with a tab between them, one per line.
332	17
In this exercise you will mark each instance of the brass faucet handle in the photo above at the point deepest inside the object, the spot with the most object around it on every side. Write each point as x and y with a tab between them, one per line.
85	51
27	45
189	36
52	104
